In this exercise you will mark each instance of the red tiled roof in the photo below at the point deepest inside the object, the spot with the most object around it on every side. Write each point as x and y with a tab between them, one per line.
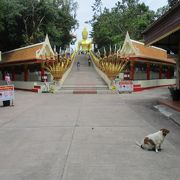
21	54
151	52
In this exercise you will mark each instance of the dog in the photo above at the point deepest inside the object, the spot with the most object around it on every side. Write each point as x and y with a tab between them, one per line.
154	141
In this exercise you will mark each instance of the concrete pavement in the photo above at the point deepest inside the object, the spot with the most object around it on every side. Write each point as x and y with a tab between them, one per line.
86	137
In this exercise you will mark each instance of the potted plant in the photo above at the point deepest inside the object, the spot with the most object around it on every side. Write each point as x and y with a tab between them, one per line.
6	103
175	93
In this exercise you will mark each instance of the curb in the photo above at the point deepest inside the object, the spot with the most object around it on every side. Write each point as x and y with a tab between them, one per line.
169	113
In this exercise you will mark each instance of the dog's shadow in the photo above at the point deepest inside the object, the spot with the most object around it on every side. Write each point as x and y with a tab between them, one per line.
160	150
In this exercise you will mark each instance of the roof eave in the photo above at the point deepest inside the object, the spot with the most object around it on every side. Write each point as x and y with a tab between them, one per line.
160	18
155	59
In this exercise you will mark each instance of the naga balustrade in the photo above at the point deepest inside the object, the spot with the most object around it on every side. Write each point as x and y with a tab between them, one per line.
111	65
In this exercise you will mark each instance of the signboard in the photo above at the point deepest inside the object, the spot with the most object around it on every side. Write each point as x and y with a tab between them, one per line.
7	78
44	78
6	92
125	86
126	75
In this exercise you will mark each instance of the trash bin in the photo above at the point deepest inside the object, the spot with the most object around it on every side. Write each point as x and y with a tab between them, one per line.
6	103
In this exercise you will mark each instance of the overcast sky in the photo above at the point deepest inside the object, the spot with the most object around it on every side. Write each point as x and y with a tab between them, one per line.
84	12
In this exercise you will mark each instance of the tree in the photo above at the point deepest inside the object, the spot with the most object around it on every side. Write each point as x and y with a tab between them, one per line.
172	2
164	9
1	15
97	9
27	21
111	26
161	11
11	32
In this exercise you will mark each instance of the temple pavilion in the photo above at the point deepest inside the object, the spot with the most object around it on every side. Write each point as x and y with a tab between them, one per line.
24	65
149	65
165	33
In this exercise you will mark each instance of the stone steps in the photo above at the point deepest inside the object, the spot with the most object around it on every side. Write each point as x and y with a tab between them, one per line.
87	91
85	80
84	87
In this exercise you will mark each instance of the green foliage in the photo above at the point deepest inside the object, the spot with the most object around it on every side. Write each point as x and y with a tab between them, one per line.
172	3
161	11
1	16
111	26
97	9
24	22
164	9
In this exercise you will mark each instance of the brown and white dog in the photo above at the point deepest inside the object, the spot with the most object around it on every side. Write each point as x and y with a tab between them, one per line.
154	141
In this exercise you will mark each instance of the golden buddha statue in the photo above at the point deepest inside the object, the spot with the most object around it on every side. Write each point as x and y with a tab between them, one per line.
84	44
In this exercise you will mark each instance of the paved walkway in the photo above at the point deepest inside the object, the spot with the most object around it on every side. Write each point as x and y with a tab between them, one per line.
85	137
84	78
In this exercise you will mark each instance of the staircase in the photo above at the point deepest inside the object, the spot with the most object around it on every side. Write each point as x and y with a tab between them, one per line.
85	89
84	80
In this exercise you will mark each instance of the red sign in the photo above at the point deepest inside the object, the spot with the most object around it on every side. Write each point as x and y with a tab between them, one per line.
6	88
6	93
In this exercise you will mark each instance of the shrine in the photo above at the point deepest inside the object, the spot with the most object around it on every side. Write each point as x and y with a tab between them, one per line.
167	38
24	65
149	66
146	67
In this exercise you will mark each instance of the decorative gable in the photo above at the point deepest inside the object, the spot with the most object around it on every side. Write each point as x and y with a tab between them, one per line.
45	51
128	48
132	48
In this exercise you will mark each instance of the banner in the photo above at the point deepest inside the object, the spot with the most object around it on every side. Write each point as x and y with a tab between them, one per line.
6	92
125	86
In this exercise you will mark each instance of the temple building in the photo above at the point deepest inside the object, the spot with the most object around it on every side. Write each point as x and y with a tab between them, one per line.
149	66
24	65
165	33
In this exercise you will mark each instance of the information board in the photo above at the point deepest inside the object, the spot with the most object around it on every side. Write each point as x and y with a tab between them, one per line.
125	86
6	92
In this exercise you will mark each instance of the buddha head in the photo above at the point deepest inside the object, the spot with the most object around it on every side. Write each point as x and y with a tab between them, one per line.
84	34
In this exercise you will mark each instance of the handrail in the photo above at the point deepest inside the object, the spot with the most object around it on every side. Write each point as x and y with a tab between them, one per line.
95	62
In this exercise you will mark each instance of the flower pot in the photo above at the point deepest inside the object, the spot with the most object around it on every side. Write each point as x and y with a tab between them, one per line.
6	103
175	93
